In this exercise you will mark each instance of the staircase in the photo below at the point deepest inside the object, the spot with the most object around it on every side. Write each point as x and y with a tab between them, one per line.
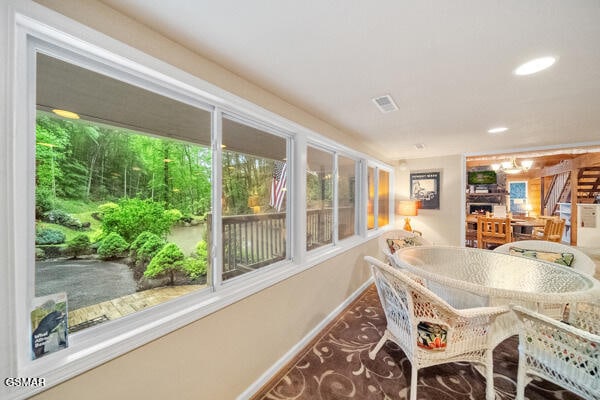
588	184
558	192
588	187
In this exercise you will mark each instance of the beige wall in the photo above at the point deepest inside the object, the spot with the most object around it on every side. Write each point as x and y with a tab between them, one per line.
219	356
441	226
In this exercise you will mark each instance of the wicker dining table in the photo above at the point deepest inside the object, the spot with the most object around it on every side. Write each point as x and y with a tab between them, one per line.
467	277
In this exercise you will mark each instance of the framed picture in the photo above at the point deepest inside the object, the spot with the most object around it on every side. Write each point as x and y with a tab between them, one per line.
425	187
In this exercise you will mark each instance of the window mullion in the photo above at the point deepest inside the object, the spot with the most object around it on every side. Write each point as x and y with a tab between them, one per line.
299	199
216	253
376	198
335	201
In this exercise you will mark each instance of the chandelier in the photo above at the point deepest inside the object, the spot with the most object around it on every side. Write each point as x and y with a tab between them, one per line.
511	167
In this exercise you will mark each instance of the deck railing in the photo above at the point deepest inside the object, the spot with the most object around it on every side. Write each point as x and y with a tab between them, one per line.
254	240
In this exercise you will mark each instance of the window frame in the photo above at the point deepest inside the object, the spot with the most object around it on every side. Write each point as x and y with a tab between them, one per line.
357	197
218	187
331	152
376	168
94	346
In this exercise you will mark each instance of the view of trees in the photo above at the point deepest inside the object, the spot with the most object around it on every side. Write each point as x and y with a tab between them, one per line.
82	161
113	194
116	195
246	183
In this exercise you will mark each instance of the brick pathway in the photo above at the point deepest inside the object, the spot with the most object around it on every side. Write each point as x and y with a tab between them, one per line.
125	305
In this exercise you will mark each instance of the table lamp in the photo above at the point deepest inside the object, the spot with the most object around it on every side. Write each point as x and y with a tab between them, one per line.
407	209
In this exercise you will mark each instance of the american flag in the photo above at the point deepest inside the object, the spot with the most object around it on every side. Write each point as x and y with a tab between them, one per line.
278	187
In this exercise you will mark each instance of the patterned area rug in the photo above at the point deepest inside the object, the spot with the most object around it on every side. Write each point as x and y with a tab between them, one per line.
336	366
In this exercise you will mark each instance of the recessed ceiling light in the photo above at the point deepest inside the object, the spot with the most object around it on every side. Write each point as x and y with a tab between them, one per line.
536	65
66	114
498	129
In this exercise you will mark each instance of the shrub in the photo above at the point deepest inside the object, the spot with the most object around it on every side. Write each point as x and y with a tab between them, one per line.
168	260
133	216
49	236
106	208
62	218
40	254
112	246
149	249
202	250
139	242
43	201
195	267
174	214
78	245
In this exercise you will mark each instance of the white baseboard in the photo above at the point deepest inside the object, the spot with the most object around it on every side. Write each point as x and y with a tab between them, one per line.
293	352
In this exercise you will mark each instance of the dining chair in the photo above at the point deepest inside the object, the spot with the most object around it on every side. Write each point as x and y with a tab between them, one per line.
552	232
493	231
544	250
557	253
430	331
391	240
565	354
470	234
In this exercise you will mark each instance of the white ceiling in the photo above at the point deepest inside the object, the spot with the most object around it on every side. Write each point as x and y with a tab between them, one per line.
447	64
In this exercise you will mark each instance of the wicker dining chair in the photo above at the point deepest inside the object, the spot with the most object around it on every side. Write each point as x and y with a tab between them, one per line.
541	249
581	262
399	236
567	355
429	330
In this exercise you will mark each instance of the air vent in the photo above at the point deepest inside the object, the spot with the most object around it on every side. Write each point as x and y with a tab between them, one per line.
385	103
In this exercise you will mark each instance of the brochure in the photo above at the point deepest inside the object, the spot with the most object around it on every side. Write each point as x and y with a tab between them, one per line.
49	331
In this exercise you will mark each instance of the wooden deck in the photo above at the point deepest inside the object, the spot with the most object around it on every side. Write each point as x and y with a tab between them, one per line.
129	304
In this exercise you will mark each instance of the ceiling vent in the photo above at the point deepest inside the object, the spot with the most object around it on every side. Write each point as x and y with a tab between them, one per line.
385	103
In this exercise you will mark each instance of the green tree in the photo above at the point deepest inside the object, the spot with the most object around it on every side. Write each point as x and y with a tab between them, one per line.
168	260
80	160
112	246
78	245
52	141
133	216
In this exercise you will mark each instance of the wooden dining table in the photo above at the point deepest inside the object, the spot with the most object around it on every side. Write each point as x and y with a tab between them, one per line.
522	228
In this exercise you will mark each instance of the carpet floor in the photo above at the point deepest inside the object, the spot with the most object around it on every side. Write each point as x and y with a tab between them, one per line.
336	366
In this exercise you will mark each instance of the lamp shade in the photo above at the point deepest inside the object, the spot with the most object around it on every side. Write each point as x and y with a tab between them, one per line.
407	208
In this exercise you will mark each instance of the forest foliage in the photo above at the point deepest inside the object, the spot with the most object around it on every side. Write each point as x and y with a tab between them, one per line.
115	187
95	163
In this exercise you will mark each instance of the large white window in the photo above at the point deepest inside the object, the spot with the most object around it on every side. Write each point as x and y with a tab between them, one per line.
347	196
151	201
254	198
319	198
122	196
